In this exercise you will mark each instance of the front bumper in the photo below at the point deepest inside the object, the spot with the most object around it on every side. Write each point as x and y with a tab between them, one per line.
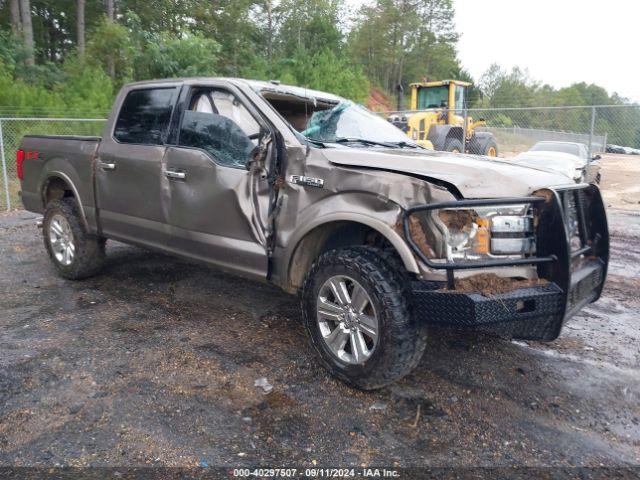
574	269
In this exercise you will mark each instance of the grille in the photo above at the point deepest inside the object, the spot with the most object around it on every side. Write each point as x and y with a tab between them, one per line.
584	287
573	204
586	271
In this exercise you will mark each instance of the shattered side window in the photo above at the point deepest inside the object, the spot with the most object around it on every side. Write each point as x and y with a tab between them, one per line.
217	135
228	105
202	103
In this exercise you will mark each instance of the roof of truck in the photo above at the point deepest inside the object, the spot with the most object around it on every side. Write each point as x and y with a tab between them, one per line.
257	85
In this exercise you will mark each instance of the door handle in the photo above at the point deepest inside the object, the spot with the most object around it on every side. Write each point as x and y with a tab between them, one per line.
175	174
107	166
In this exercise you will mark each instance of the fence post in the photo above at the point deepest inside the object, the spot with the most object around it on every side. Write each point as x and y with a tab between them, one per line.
464	131
604	143
593	126
4	170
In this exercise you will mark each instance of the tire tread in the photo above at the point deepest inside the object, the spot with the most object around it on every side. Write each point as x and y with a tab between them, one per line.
90	249
390	285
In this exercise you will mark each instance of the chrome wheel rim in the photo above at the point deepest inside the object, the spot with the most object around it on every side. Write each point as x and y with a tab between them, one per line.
347	319
61	240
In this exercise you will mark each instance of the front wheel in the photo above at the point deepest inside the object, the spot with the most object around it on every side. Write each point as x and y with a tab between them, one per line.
453	145
356	313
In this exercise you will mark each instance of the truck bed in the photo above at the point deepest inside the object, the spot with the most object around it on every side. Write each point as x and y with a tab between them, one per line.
69	157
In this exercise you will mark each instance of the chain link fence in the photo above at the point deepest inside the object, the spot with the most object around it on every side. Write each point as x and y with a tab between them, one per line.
610	128
11	132
518	129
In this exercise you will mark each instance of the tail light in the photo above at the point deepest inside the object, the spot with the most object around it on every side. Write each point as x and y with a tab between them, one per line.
19	161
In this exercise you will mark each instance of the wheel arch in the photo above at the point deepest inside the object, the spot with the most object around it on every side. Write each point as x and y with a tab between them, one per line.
57	185
341	230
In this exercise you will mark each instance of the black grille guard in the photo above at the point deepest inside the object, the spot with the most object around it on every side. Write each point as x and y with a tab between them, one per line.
553	253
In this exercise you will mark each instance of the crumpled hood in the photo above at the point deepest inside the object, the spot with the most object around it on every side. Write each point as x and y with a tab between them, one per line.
474	176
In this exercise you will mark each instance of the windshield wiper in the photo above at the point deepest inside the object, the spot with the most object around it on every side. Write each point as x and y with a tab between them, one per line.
406	144
363	141
320	143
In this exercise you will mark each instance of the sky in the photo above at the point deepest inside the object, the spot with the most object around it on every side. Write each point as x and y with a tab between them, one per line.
560	42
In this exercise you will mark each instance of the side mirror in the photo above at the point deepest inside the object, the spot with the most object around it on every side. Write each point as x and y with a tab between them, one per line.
258	153
596	157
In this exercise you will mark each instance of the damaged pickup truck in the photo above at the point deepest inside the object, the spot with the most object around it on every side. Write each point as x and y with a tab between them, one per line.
312	193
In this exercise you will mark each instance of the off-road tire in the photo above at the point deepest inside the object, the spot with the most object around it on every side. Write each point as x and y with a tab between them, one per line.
453	145
402	339
490	148
89	255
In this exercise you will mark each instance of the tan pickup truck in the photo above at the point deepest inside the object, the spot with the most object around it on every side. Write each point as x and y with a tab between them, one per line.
315	194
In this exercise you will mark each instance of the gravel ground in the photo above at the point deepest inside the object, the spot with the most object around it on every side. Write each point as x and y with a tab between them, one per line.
154	361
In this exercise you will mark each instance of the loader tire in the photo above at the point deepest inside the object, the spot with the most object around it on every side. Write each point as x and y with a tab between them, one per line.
490	148
453	145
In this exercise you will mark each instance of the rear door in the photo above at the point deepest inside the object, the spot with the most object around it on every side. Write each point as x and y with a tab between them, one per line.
129	166
218	206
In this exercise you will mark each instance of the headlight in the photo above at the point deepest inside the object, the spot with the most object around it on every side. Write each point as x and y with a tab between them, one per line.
577	174
479	233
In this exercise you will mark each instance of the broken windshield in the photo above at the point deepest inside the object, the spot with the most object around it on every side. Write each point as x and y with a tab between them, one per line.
348	122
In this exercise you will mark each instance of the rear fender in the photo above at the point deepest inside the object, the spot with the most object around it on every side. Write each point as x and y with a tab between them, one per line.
81	184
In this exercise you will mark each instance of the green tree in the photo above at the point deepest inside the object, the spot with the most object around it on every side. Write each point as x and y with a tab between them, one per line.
403	41
168	56
308	25
324	70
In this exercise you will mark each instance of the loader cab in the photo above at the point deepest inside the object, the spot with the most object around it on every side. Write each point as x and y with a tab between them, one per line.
444	94
440	119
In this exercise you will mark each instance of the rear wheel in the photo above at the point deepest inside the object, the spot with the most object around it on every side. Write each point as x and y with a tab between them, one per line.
453	145
75	253
356	313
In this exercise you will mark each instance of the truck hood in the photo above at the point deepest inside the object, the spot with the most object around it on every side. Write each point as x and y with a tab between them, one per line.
532	155
570	165
474	176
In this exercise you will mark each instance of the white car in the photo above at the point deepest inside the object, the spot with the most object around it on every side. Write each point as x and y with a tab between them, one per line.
571	159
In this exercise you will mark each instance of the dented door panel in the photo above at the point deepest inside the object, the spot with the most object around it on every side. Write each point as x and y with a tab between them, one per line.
210	212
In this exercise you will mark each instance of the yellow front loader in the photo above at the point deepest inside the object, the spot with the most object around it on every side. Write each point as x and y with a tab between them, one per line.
441	124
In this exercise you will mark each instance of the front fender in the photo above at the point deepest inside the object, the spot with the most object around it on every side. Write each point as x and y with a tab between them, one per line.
376	212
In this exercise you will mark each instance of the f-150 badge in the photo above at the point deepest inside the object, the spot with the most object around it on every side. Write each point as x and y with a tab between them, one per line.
307	181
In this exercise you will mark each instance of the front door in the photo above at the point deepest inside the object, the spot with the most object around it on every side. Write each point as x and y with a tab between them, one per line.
218	207
129	168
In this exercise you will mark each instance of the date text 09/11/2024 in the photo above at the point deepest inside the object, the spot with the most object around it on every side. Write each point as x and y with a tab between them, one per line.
316	472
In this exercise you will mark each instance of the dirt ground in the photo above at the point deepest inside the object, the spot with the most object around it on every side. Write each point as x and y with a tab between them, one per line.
154	361
621	183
